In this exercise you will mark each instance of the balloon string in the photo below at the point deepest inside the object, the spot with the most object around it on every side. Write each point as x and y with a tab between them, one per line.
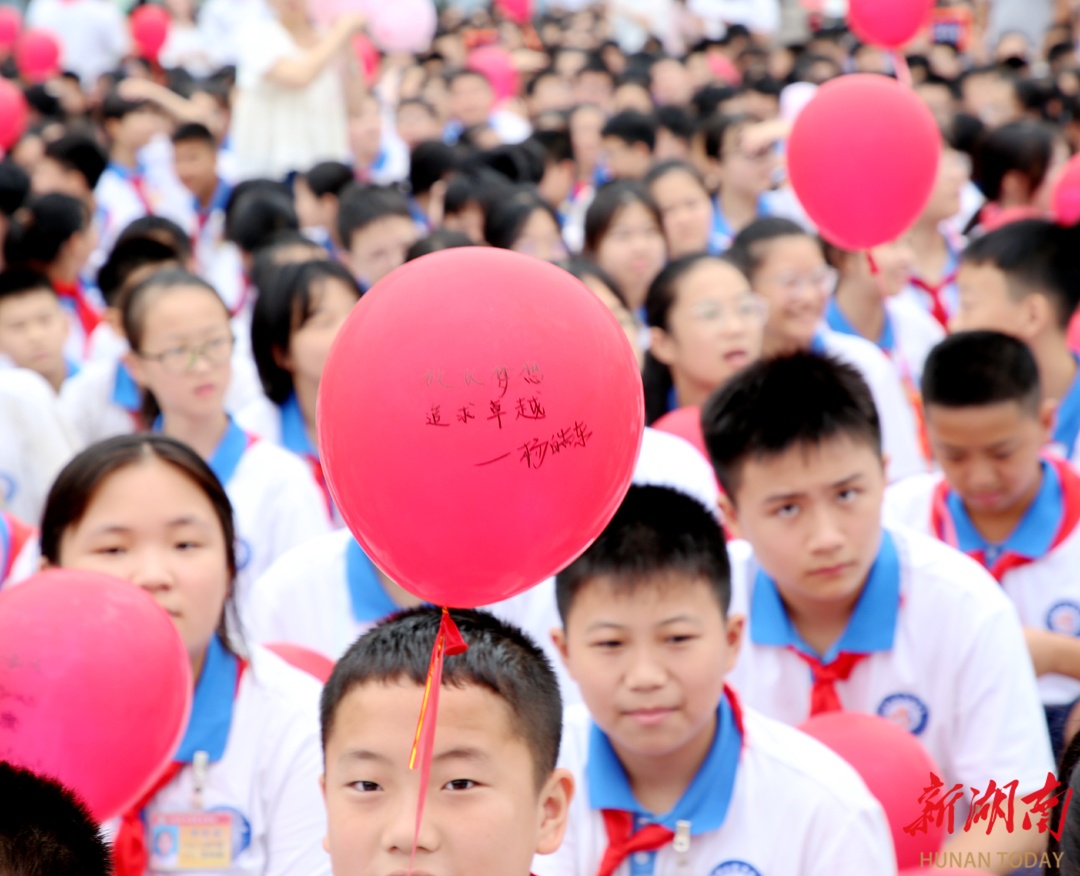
448	641
903	71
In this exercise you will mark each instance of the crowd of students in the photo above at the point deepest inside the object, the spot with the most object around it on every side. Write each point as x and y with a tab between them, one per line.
884	520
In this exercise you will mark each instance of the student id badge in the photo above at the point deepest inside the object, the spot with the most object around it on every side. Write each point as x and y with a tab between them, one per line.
183	842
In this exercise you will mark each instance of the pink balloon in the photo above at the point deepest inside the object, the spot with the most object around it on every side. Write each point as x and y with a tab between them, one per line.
403	26
516	11
479	418
1066	197
11	23
721	68
313	663
95	685
863	157
895	767
13	114
889	23
686	423
37	55
367	55
149	30
495	63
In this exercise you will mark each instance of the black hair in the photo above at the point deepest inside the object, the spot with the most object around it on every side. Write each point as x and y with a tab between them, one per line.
657	532
594	63
126	258
437	241
114	106
713	131
416	101
270	258
707	99
973	369
473	185
557	146
21	281
610	200
429	163
749	249
328	178
1036	256
74	488
775	405
283	309
677	120
1023	147
360	205
465	73
632	127
257	216
674	165
194	132
582	268
79	153
247	186
159	228
506	216
500	659
14	187
40	229
46	829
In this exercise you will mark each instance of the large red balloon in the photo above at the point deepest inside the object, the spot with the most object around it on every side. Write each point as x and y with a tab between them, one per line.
479	419
37	56
895	767
312	662
888	23
149	30
863	157
1065	201
13	114
95	685
10	27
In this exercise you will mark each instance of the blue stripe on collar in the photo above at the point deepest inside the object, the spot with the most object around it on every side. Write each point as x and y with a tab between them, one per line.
1067	425
370	601
126	391
212	710
704	803
227	455
294	434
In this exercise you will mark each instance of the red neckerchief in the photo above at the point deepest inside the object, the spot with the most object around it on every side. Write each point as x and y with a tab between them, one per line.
88	316
823	695
942	526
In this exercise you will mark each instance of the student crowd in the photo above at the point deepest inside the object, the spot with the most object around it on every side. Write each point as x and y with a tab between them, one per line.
881	514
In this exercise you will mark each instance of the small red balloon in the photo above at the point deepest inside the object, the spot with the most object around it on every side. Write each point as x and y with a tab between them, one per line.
516	11
312	662
686	423
367	55
13	114
479	418
1066	196
895	767
889	23
495	63
150	30
96	683
37	55
11	23
862	158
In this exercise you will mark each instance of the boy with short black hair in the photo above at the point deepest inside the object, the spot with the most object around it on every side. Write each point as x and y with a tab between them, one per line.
675	775
376	229
1003	501
71	165
45	828
495	796
195	161
846	614
629	139
33	325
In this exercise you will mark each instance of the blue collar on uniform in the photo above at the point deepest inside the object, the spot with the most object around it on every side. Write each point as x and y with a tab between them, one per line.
370	601
71	368
228	453
294	434
1034	534
838	322
871	627
222	193
1067	427
125	390
212	710
704	804
126	173
722	233
818	346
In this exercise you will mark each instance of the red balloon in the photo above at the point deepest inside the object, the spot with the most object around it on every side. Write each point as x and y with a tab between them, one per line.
863	157
895	767
37	56
888	23
367	55
495	63
479	419
96	685
516	11
686	423
149	30
13	114
1066	197
10	27
312	662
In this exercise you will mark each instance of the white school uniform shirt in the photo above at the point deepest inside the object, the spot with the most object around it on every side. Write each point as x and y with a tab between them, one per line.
36	441
756	780
265	763
1035	566
1065	440
899	432
947	661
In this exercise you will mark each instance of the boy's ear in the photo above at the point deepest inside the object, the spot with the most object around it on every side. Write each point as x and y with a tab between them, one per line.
558	637
1048	410
730	516
555	799
735	626
282	358
660	345
322	789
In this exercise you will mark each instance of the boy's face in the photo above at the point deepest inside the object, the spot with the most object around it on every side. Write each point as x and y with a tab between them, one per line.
135	129
650	662
33	329
196	166
986	304
482	814
990	454
380	246
626	160
813	517
50	176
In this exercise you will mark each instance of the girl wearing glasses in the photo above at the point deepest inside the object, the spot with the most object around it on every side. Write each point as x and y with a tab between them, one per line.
787	267
181	344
